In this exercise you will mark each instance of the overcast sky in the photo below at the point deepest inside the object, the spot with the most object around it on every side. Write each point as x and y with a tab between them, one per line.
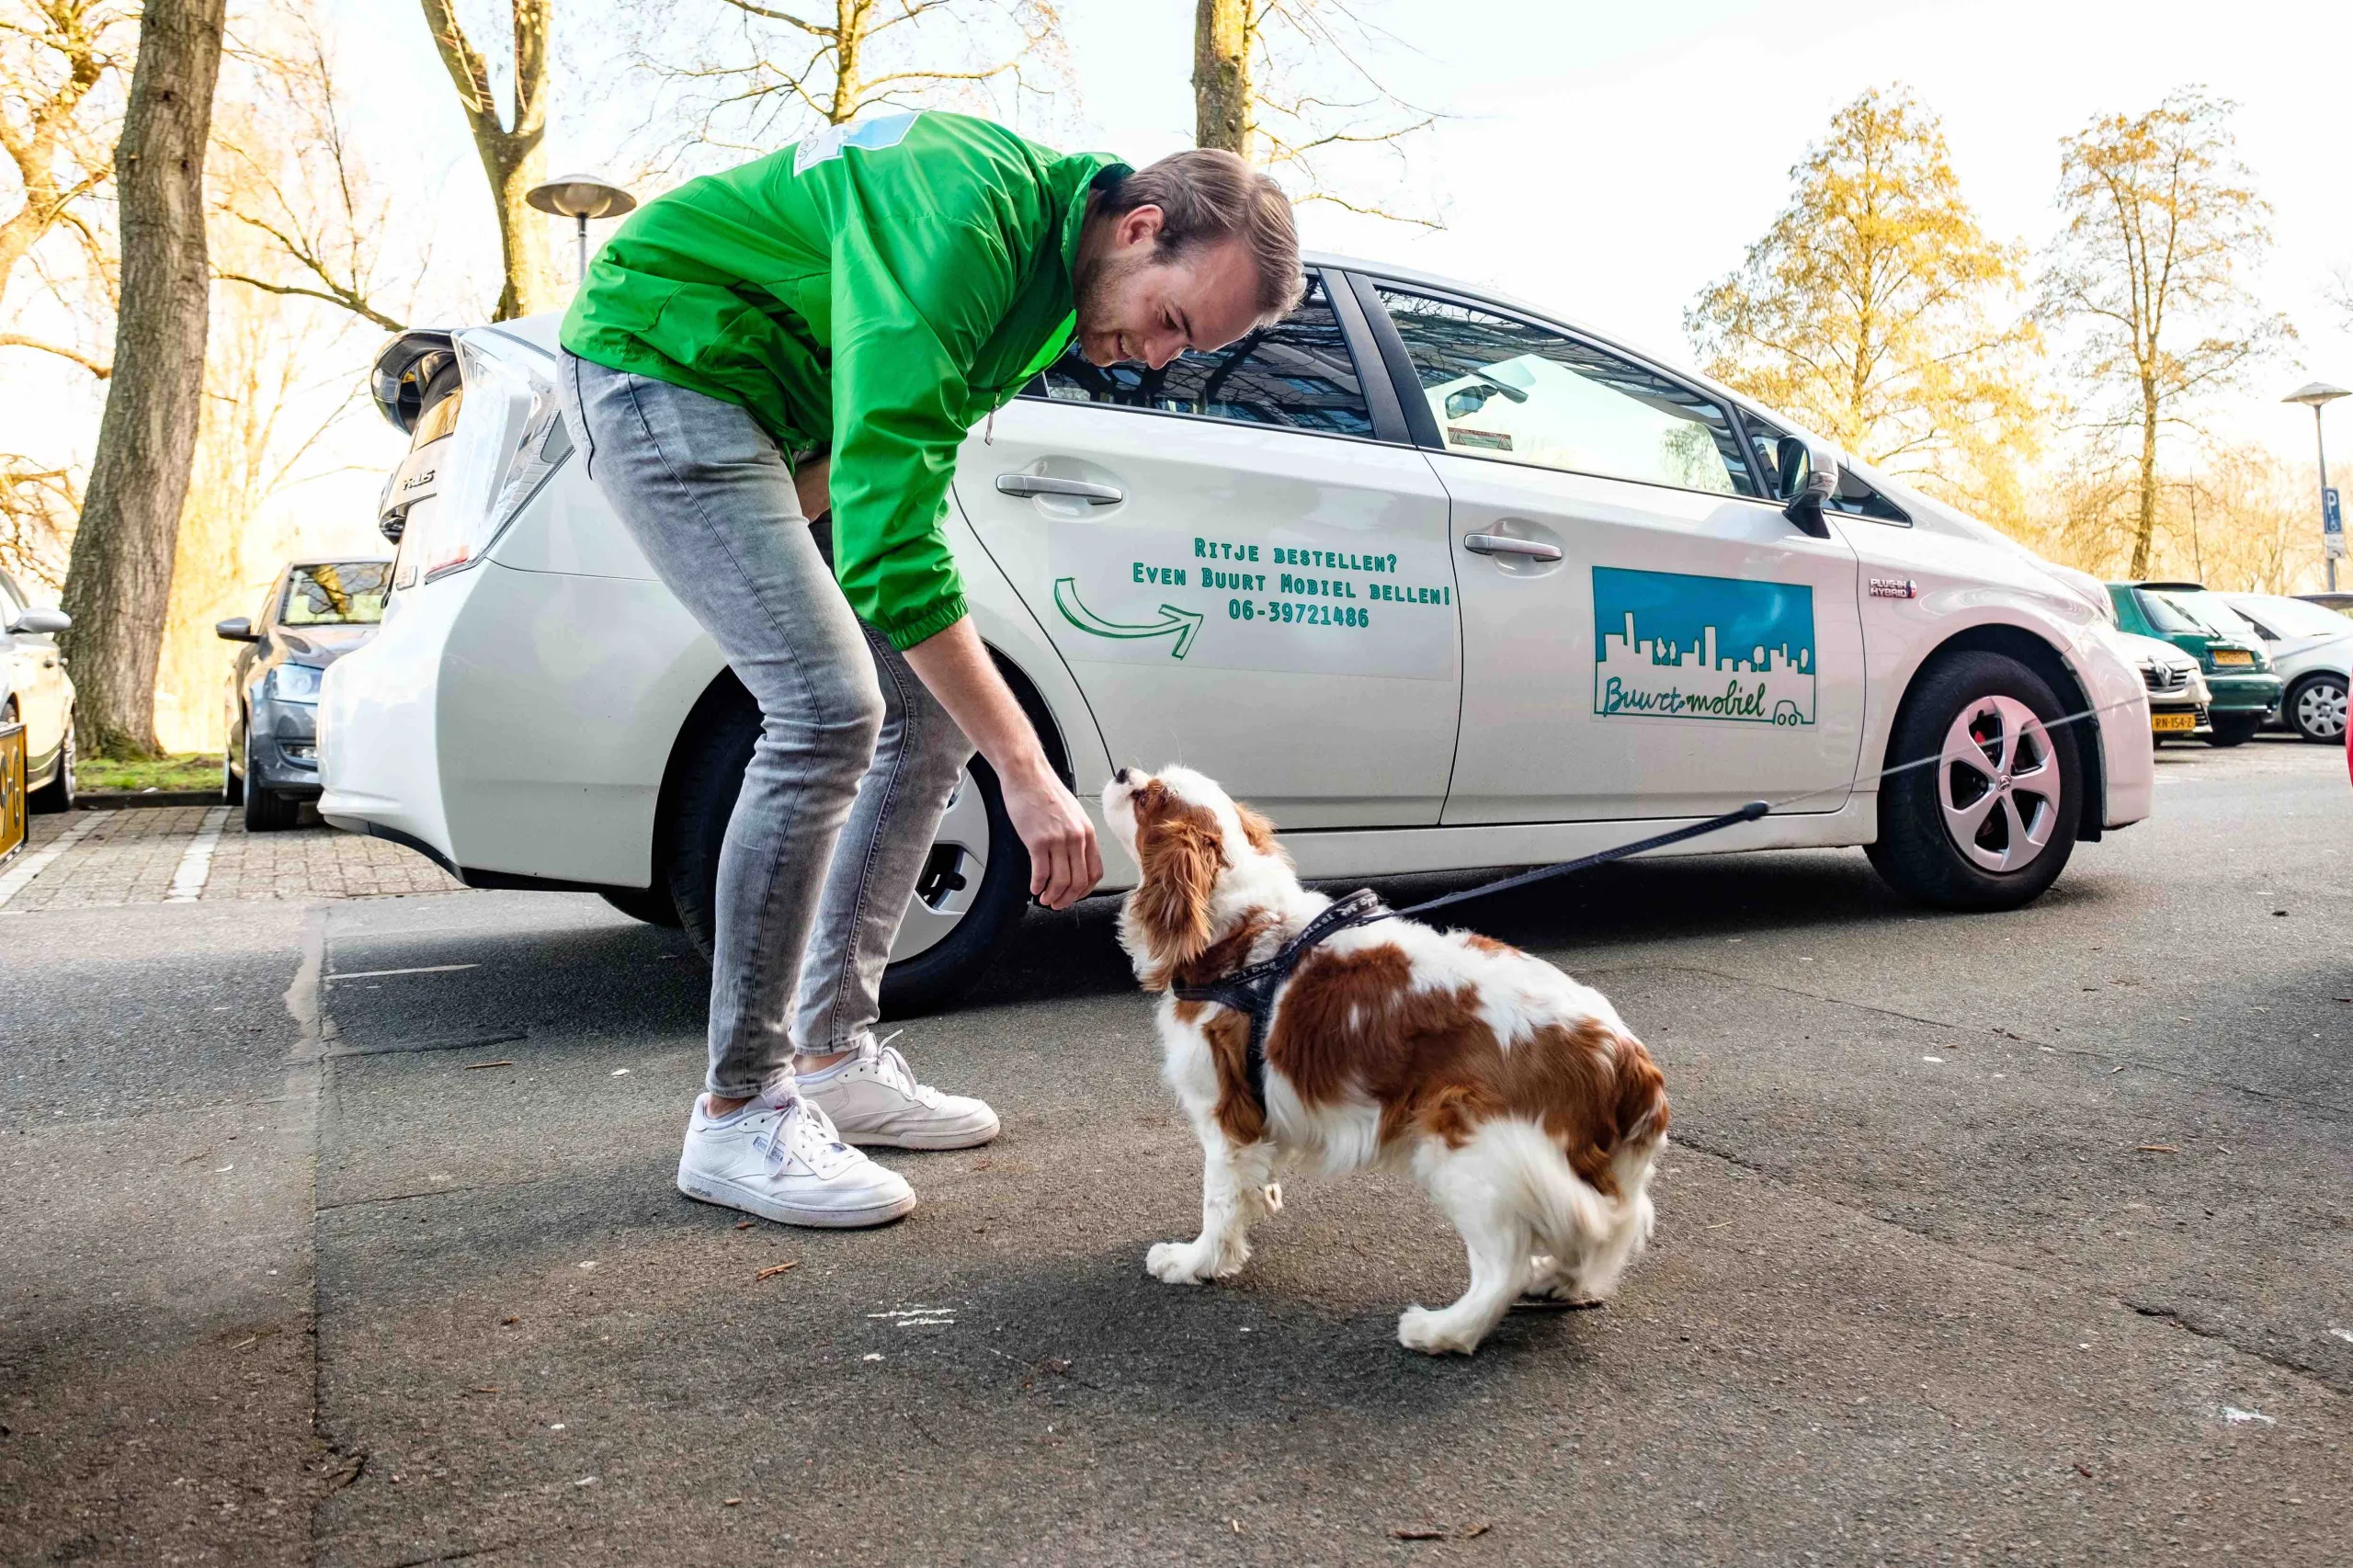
1606	159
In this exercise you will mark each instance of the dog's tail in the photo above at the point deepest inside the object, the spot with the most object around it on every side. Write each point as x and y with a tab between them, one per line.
1564	1209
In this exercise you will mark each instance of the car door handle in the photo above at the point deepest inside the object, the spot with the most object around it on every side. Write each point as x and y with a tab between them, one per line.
1503	544
1086	490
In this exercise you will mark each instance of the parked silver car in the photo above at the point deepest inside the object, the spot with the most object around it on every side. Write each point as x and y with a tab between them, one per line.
2312	648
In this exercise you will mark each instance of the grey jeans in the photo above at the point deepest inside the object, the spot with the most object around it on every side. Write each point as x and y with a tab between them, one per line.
856	759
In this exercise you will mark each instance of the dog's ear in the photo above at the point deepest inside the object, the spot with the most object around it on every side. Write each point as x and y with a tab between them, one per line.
1260	833
1180	857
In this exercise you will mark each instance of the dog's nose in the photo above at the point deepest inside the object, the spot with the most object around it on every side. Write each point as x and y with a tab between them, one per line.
1119	776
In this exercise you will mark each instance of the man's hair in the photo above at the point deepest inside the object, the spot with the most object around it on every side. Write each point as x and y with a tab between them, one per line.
1207	196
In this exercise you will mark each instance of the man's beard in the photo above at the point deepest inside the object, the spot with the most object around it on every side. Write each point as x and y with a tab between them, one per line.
1097	286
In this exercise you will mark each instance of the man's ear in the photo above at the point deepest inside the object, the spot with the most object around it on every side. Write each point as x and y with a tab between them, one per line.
1180	858
1138	225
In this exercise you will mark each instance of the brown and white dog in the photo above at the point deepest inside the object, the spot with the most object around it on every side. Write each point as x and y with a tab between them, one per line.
1514	1095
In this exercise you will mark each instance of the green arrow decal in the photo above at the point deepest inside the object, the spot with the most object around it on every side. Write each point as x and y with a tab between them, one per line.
1183	622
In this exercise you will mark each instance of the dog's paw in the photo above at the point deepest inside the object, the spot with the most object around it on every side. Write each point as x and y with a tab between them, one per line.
1271	1195
1430	1333
1174	1263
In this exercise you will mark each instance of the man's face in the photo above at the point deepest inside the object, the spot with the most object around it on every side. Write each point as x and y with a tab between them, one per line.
1132	306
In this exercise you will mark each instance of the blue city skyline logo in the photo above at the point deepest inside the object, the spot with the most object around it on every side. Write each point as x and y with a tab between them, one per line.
1672	645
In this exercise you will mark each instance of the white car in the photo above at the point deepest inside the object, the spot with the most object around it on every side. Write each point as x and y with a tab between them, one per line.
2311	646
2179	701
1436	579
36	691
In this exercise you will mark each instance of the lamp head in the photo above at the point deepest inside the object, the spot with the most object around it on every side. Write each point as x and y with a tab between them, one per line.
2311	394
580	196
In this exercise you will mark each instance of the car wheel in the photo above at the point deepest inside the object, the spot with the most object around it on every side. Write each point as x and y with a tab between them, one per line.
968	901
267	811
2315	710
57	795
653	905
2235	728
1988	820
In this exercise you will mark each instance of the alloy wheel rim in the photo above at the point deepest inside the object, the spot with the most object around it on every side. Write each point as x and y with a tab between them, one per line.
1998	784
2320	709
952	876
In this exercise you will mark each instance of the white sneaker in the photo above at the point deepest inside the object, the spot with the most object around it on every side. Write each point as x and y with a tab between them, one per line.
873	1098
785	1163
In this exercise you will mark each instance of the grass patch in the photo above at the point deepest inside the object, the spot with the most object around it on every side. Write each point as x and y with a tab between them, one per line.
190	770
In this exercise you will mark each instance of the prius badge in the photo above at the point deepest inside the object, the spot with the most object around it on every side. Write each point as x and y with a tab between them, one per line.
1894	588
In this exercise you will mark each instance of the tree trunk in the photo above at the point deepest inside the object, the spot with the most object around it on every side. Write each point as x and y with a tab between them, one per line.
1221	75
2145	530
119	579
512	154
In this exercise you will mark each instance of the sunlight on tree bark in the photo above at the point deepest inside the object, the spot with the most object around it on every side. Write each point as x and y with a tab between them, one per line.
509	139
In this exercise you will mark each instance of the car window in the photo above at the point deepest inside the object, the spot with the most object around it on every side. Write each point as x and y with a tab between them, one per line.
2215	611
1855	496
2169	615
1510	391
345	593
1296	373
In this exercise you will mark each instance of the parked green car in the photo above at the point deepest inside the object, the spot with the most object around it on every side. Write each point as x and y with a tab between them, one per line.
2230	651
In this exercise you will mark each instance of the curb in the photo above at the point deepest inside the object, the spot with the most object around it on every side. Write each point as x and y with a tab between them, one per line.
111	799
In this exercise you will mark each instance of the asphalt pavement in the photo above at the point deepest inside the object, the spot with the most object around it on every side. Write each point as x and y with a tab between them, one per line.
341	1231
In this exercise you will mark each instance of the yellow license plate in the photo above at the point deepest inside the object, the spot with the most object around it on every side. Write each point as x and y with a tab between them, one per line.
2172	723
2232	657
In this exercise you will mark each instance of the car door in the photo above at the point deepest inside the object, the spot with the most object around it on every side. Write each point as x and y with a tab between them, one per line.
1644	633
1243	560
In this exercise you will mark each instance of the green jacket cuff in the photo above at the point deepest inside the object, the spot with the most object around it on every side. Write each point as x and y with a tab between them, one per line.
906	634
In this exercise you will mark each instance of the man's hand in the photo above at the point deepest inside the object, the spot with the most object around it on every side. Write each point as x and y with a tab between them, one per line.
1065	863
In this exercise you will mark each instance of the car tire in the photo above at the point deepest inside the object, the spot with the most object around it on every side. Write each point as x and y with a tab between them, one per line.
1938	842
267	811
707	774
2235	728
653	906
2315	709
57	795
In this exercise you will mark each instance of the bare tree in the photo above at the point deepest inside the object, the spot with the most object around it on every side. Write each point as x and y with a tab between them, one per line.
120	577
748	75
289	175
1289	83
37	501
57	65
508	140
2162	227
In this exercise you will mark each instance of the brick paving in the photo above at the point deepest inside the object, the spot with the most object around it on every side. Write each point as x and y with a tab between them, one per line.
130	855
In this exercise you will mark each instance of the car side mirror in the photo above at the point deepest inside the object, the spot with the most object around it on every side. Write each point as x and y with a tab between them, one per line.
1809	479
236	629
38	622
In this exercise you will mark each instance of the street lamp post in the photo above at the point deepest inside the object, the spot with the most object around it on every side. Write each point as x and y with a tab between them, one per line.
581	198
2313	394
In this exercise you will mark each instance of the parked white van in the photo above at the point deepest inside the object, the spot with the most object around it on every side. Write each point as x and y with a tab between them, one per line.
1437	580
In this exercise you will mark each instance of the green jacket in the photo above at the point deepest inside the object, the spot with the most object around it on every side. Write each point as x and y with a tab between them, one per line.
877	290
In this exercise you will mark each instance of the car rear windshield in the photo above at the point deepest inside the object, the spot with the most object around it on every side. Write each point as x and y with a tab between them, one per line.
2171	611
340	593
2215	611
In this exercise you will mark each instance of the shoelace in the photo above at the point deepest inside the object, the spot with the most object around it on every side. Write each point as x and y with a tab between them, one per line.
891	1068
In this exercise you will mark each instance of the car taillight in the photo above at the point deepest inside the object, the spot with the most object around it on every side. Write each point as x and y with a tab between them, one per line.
511	438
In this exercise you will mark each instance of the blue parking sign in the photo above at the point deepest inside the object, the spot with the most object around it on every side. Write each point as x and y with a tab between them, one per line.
2332	518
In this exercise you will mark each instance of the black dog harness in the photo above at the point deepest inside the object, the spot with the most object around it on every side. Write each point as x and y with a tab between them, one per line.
1251	992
